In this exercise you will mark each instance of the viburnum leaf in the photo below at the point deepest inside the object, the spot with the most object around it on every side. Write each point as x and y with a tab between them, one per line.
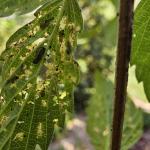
99	117
141	45
38	75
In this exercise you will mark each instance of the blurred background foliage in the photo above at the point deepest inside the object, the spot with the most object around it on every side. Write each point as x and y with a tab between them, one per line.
99	114
96	56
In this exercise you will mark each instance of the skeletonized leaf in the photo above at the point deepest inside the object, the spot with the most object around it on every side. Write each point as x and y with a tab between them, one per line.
141	45
100	115
38	76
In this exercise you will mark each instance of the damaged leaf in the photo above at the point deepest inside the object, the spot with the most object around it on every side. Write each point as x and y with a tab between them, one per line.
38	76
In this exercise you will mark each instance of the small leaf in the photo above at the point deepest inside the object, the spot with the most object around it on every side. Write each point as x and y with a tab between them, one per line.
99	119
38	76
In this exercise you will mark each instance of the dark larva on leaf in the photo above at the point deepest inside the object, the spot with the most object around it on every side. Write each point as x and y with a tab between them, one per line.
12	79
42	93
45	23
61	35
39	55
68	48
37	66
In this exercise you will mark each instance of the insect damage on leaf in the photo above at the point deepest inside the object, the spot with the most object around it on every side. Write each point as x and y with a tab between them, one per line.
45	23
39	55
38	76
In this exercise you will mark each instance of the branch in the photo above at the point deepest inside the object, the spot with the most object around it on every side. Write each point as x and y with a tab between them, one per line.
122	65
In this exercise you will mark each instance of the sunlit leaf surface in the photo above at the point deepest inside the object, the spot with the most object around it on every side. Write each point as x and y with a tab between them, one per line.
38	74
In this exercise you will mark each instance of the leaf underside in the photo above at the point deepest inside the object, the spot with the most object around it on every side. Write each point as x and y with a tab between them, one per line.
141	45
38	74
99	119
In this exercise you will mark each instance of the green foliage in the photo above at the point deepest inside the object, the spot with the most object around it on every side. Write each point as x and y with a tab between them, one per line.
100	115
38	74
141	45
98	39
8	7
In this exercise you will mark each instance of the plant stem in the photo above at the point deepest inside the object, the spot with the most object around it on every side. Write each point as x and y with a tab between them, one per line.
122	65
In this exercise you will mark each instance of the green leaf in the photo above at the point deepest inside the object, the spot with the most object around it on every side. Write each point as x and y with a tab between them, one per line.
141	45
38	76
99	114
8	7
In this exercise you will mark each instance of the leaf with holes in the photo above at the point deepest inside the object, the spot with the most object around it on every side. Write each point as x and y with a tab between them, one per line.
141	45
38	75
